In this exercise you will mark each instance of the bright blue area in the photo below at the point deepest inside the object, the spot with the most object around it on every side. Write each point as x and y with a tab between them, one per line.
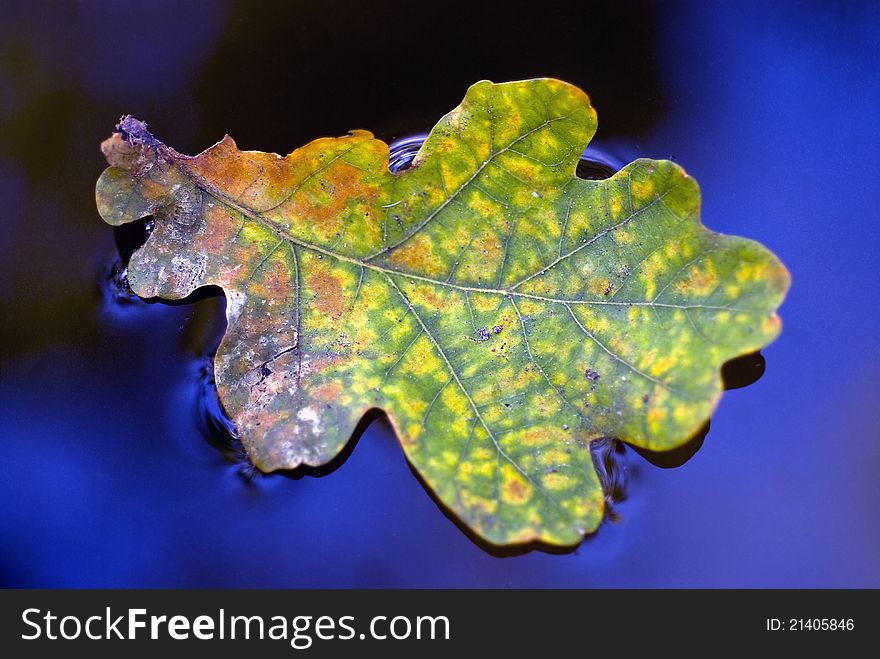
773	107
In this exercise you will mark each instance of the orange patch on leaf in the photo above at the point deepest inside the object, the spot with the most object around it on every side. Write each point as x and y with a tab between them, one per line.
427	296
253	178
327	288
489	246
417	255
327	392
515	491
277	282
221	227
699	281
600	286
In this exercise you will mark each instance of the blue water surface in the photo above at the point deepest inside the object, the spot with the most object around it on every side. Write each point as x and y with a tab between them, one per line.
105	476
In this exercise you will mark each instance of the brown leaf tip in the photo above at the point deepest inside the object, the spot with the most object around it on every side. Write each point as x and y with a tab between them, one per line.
135	132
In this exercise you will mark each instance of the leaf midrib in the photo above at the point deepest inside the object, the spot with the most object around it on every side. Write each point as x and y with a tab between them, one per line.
266	223
388	272
510	293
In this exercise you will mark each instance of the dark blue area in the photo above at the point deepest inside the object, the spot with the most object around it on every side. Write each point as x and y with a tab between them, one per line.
105	478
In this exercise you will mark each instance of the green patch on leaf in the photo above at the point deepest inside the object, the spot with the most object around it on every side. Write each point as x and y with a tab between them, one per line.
503	312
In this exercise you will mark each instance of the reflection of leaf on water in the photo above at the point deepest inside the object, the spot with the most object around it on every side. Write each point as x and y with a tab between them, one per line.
502	311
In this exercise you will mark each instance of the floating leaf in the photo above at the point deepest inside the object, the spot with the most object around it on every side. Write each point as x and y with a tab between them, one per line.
501	311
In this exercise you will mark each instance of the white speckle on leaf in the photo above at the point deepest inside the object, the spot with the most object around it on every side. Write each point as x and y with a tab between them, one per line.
310	415
188	272
234	304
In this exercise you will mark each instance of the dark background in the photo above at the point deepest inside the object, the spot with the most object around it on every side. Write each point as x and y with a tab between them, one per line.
107	474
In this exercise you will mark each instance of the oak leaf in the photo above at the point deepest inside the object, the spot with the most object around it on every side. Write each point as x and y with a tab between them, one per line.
503	312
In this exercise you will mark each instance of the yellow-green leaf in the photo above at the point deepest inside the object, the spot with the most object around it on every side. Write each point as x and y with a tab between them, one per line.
503	312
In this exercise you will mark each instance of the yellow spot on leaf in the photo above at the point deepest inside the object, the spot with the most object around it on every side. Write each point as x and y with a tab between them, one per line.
655	417
699	281
514	488
643	189
556	481
662	365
